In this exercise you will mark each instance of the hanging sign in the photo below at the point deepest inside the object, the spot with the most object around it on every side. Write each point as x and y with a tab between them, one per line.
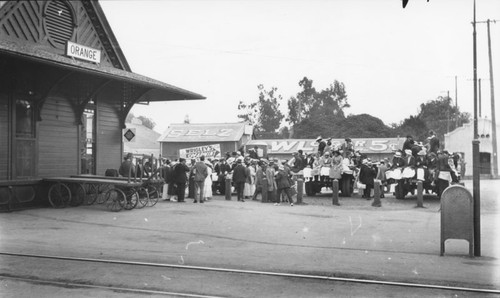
82	52
209	151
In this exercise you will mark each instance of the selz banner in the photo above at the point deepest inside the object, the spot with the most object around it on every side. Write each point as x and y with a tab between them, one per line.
209	151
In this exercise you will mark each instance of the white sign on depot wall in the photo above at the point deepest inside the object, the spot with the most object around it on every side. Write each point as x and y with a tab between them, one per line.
82	52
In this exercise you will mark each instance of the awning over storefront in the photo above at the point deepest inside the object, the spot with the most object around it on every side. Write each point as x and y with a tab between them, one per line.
159	91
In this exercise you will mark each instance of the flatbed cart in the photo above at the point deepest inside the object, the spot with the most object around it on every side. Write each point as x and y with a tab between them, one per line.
148	193
116	194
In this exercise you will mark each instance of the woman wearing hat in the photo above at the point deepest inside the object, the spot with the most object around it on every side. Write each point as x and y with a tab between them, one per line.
325	163
321	145
336	165
207	189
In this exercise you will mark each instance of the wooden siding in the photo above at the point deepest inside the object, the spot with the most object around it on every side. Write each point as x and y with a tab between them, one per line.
57	139
109	138
4	136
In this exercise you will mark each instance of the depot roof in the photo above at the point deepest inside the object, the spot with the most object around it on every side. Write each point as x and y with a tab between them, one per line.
160	91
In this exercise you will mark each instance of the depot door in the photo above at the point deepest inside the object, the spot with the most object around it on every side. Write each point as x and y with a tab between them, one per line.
24	160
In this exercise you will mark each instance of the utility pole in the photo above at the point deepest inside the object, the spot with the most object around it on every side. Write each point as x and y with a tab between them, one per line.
456	103
475	152
494	168
448	112
479	95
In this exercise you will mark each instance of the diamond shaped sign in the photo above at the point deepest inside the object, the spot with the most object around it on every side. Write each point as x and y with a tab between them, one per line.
129	134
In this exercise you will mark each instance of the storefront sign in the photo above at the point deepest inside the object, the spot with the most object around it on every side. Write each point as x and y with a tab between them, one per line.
209	151
386	145
175	133
83	52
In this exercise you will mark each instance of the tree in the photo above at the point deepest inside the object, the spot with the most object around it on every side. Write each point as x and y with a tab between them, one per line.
439	115
312	113
248	112
270	116
300	106
148	122
264	114
413	126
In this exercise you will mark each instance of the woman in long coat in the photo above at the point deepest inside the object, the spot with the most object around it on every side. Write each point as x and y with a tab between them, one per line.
249	190
207	189
283	184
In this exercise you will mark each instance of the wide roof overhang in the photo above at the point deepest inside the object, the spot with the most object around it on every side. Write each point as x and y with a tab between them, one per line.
158	91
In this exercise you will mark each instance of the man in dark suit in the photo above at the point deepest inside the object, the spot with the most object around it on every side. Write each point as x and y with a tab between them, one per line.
240	174
180	178
200	174
433	142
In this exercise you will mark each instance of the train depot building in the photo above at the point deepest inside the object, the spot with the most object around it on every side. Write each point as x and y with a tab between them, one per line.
65	91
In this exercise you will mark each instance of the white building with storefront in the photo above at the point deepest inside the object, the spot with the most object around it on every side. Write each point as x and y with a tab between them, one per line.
460	140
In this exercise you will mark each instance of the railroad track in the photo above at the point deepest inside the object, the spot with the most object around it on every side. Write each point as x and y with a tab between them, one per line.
168	279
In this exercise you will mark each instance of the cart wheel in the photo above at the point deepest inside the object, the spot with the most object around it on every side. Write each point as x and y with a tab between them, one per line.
59	195
77	194
143	197
132	197
154	195
115	199
101	191
91	194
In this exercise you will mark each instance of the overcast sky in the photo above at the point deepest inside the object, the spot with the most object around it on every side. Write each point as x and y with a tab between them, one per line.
390	59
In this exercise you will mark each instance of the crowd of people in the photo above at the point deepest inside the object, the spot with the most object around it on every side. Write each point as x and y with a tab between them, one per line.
201	178
415	160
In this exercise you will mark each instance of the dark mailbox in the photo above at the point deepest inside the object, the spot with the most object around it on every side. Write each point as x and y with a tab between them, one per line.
457	216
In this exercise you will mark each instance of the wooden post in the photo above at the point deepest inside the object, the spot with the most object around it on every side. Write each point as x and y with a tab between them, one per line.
335	192
376	194
300	191
420	194
264	190
228	188
135	172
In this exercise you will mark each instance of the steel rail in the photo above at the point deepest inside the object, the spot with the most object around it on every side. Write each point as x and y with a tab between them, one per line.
256	272
120	289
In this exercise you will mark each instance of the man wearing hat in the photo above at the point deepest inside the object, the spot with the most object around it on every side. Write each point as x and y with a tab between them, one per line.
260	174
398	160
180	177
408	144
433	145
321	145
240	174
127	168
200	174
222	169
296	163
347	148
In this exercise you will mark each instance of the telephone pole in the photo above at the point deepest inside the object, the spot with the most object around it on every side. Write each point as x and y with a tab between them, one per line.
475	152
